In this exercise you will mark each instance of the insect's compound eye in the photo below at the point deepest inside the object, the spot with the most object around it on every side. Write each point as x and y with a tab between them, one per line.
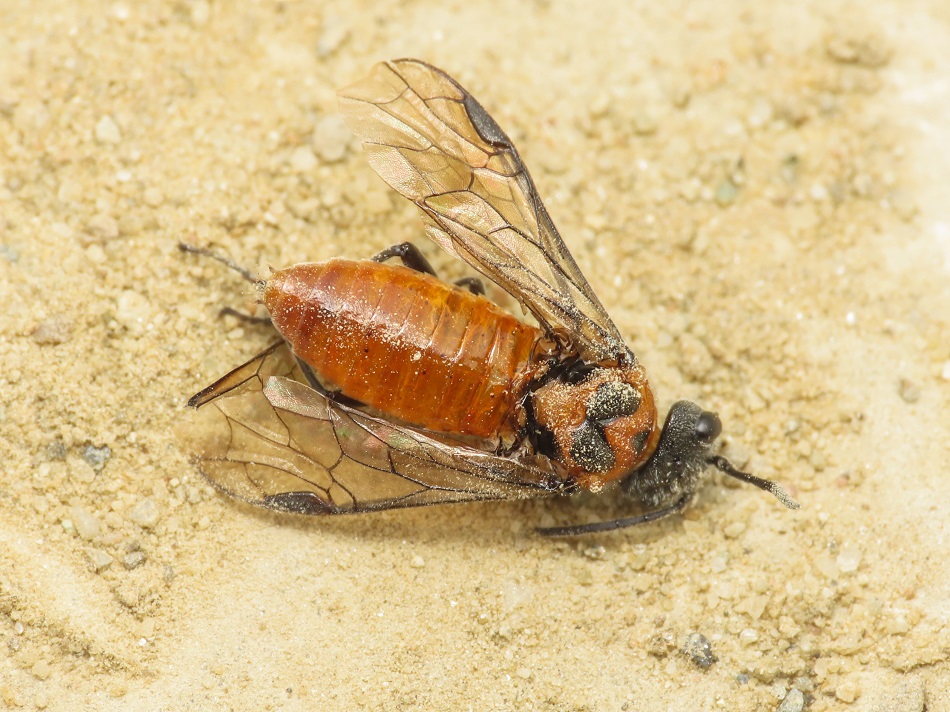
708	427
590	449
612	400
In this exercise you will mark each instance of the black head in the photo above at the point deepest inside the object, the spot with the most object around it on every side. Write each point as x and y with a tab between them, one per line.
682	454
666	483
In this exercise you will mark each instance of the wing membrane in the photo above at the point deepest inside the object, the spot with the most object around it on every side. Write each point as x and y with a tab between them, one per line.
432	142
271	440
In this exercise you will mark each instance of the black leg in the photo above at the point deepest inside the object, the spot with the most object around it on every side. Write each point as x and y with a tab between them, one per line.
310	375
472	284
409	254
576	529
228	311
335	396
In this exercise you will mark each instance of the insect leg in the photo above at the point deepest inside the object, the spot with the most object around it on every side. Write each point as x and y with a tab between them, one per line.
472	284
228	311
577	529
315	384
409	254
310	375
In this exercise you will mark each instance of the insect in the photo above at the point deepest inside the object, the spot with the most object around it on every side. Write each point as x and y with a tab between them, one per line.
391	388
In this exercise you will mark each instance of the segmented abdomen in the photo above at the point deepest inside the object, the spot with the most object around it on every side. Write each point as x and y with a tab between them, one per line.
405	343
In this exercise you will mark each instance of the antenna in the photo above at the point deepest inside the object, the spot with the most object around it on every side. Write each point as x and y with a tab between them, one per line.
775	489
223	259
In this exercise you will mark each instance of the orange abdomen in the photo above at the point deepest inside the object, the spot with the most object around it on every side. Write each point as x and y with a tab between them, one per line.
405	343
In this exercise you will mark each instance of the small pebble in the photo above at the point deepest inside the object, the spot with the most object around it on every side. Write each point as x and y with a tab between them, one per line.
153	197
200	13
595	552
87	526
417	562
897	624
719	562
95	254
726	193
41	669
107	131
103	226
645	123
334	34
733	530
794	702
132	310
849	559
133	560
909	391
98	560
778	691
852	46
760	113
748	636
10	254
80	470
302	159
661	644
97	457
52	331
699	650
56	450
331	138
145	513
848	690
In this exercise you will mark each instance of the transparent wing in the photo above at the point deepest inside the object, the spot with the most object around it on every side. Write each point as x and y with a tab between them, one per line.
269	439
431	141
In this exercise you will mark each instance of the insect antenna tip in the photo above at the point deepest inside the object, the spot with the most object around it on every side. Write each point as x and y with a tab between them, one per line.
775	489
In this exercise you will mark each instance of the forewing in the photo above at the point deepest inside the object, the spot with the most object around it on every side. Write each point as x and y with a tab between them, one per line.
273	441
431	141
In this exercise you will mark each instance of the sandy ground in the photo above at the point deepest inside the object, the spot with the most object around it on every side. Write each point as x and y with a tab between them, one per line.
758	196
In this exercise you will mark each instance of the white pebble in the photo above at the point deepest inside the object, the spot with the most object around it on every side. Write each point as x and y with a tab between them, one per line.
302	159
41	669
330	138
719	562
200	13
87	526
748	636
98	560
107	131
334	34
144	513
153	197
104	226
132	310
849	559
848	690
733	530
